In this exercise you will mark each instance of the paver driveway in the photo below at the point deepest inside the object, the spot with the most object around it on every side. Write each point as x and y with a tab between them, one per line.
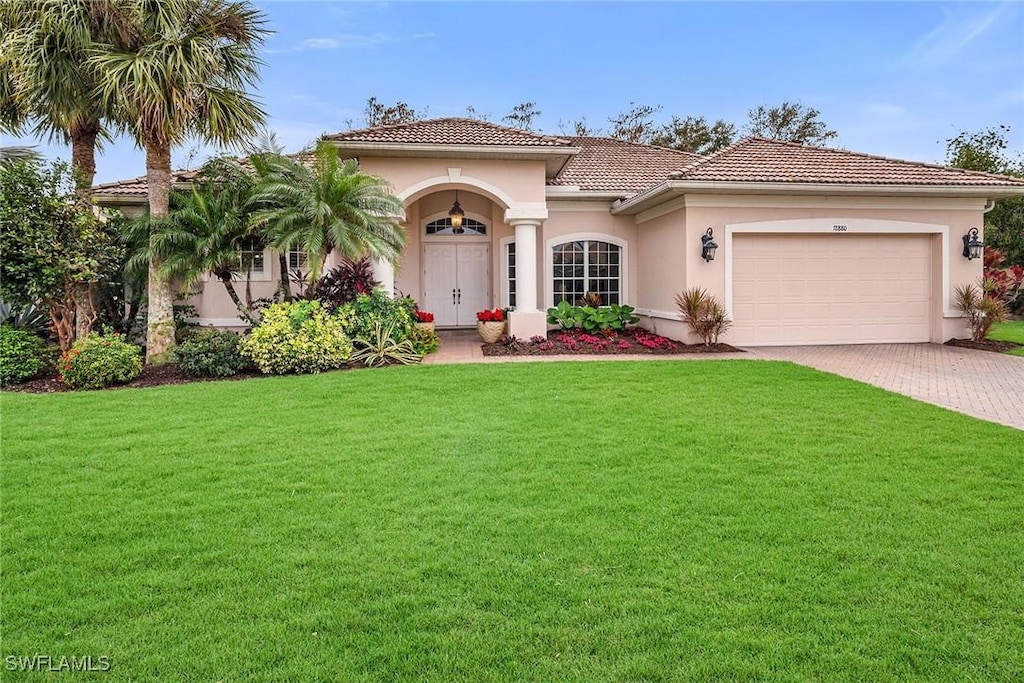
979	383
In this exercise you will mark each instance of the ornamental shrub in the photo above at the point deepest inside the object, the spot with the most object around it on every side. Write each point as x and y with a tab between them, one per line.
425	342
299	337
369	311
99	361
346	281
21	355
210	353
703	314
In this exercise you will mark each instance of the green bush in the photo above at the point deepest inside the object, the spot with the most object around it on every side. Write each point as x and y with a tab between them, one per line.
369	311
100	361
591	319
424	341
299	337
210	353
21	355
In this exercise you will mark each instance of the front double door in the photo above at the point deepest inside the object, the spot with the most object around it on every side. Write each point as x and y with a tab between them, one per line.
456	282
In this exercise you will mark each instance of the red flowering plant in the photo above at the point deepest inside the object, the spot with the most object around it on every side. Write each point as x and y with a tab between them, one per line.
495	316
424	316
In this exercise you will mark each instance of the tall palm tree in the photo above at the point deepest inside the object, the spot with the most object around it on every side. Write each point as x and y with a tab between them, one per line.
204	232
319	203
180	68
48	82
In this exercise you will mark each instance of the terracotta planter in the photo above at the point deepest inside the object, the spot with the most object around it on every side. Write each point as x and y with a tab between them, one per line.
490	332
429	327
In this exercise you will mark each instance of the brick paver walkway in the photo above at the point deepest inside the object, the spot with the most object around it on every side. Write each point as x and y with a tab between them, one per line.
979	383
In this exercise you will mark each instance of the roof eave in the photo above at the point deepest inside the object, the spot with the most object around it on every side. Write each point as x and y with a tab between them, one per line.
574	192
671	189
554	157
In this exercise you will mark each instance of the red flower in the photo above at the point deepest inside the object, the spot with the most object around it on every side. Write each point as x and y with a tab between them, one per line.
424	316
495	316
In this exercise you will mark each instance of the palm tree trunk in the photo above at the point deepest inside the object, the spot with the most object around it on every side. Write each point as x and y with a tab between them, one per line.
160	323
286	283
83	155
242	311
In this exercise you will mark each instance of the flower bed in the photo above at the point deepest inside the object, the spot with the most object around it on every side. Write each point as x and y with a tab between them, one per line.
574	342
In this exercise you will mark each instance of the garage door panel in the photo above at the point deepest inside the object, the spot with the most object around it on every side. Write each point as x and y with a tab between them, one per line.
821	289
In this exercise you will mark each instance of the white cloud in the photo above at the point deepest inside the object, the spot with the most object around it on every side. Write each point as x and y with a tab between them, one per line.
349	40
319	44
955	34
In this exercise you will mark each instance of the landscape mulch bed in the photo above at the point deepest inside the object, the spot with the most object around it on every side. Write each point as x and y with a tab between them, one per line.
985	345
152	376
631	342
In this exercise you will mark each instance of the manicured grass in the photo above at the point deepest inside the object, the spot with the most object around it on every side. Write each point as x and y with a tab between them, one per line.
667	520
1012	331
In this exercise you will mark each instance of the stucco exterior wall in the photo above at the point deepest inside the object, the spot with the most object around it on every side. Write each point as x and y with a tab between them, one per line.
586	220
516	181
722	213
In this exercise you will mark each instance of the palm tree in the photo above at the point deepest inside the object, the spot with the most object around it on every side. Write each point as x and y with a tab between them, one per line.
48	81
9	155
179	69
319	203
204	232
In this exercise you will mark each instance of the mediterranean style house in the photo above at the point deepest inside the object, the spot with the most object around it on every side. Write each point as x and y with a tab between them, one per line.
803	245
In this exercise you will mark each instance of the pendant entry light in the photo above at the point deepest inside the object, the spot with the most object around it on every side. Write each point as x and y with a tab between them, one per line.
456	214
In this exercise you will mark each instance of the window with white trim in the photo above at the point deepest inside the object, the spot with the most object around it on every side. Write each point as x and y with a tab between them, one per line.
250	255
585	266
443	226
297	259
510	270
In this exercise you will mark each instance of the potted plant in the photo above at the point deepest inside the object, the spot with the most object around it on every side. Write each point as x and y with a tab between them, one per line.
424	320
490	325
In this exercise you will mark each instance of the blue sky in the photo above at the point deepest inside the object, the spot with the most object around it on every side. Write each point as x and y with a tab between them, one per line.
896	79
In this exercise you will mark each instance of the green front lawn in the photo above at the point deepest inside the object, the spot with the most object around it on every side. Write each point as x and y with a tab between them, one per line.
1012	331
667	520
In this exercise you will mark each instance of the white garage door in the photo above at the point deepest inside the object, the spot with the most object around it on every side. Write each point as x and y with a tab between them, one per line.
831	289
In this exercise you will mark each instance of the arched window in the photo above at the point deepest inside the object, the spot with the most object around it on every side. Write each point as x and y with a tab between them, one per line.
585	266
443	226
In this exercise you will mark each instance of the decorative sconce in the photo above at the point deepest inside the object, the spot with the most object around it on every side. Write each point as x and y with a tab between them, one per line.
708	245
972	245
456	214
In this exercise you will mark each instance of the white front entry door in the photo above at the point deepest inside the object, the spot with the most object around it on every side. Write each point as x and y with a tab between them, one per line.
456	282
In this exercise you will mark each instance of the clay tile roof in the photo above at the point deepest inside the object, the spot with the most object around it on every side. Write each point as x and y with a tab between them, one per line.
450	131
139	186
756	160
610	164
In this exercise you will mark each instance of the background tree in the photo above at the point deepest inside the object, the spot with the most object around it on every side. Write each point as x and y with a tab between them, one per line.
50	82
522	116
578	128
472	113
56	250
789	122
636	124
179	69
694	134
377	113
985	150
322	203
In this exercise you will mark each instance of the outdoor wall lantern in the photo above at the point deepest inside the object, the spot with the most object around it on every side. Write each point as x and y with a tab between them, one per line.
456	214
972	245
708	245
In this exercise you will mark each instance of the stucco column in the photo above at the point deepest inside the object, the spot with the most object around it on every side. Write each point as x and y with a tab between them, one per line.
526	321
384	272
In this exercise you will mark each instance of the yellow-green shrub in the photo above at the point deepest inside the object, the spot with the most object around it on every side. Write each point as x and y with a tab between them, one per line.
299	337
